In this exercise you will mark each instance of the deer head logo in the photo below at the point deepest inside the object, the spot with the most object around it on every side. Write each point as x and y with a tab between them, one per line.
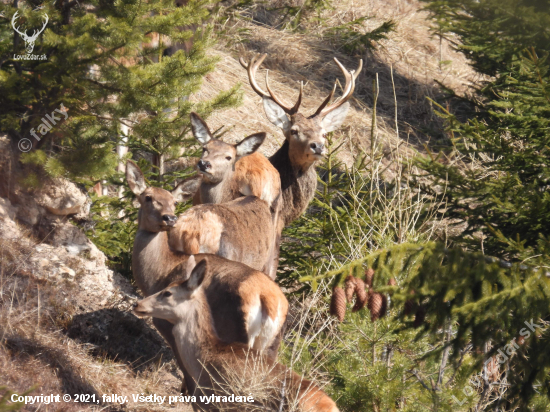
29	40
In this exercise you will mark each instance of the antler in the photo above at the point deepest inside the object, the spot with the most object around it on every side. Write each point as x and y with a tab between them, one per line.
323	110
24	35
252	68
36	33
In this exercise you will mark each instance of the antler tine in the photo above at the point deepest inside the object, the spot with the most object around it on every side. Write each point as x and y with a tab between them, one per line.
349	88
359	68
299	101
289	110
326	101
251	69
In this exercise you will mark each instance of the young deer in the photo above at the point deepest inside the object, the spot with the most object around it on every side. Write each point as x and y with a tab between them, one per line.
305	137
241	230
230	171
208	360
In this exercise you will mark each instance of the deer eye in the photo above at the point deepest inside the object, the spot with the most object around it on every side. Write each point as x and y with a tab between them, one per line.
167	294
148	198
294	132
228	157
175	203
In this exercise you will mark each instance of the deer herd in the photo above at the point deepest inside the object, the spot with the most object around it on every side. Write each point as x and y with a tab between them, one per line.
208	275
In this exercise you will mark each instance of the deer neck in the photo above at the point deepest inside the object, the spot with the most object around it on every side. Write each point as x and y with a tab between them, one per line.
196	338
220	192
152	260
298	184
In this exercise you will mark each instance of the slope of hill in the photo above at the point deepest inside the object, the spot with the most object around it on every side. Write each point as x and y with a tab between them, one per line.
416	58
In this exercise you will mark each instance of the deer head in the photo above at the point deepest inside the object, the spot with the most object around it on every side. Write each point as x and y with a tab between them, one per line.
29	40
219	158
171	303
306	135
158	206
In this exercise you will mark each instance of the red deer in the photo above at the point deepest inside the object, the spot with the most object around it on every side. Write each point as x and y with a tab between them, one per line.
305	137
241	230
230	171
184	303
153	260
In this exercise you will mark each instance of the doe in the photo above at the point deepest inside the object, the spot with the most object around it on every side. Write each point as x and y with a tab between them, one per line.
184	304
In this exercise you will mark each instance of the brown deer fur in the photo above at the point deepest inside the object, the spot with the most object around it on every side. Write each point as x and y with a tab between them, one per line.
184	303
152	259
241	230
305	137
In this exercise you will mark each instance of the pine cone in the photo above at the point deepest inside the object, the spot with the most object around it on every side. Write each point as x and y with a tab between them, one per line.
392	282
338	303
349	287
361	297
377	305
369	275
420	316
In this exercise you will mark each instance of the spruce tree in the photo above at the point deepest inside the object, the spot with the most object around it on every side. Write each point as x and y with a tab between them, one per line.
104	66
495	177
493	33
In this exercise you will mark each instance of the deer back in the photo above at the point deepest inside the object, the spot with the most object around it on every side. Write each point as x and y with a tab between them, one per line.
215	366
241	230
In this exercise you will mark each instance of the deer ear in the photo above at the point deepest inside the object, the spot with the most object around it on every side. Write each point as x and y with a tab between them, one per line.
197	275
334	119
250	144
187	189
275	114
135	178
200	129
191	263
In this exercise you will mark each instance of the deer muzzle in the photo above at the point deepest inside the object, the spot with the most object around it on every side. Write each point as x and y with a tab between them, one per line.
204	165
140	310
317	149
169	220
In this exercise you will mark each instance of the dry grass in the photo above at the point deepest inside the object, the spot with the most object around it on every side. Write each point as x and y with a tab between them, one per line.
37	354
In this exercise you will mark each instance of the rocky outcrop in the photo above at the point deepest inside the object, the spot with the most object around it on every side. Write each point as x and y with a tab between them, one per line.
62	197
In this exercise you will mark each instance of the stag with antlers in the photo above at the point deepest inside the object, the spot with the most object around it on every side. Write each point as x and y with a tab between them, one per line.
305	136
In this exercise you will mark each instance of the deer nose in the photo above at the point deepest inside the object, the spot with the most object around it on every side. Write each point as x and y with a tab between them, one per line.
317	148
169	219
203	166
